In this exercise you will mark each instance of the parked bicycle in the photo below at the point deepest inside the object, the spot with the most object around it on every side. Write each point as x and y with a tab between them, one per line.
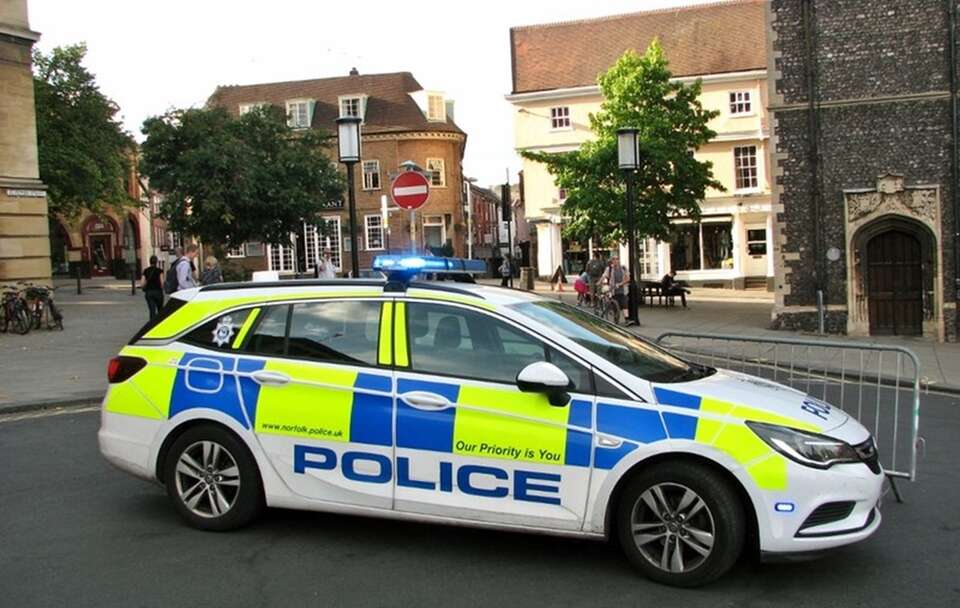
14	313
43	310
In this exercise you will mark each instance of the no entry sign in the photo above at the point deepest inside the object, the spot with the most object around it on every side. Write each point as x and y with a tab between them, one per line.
410	190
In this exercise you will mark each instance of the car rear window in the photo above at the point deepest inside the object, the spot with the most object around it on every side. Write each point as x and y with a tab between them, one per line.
172	306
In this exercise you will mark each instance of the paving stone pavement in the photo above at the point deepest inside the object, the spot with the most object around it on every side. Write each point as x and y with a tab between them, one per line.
56	367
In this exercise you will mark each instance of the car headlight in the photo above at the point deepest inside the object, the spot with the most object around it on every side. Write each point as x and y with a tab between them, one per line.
810	449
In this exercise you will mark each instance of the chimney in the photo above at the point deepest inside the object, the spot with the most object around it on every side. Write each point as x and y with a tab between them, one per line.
354	72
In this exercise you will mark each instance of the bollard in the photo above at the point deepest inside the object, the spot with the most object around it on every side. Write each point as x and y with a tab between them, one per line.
133	280
79	291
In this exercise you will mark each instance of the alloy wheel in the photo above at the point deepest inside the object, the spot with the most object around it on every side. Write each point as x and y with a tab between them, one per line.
207	479
673	527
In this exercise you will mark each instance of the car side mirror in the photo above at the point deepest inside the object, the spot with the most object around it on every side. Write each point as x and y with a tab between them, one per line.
546	378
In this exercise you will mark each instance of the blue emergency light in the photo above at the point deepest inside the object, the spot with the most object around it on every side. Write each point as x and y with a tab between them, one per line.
403	268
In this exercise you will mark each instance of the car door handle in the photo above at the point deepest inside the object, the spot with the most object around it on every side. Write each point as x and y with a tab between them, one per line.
426	401
264	377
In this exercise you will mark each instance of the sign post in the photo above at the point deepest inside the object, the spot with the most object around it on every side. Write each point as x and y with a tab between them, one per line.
410	190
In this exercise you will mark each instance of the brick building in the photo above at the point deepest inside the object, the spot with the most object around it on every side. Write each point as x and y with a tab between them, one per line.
401	122
24	247
865	165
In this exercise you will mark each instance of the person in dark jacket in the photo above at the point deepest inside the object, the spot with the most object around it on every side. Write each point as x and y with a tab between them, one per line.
672	288
152	286
211	272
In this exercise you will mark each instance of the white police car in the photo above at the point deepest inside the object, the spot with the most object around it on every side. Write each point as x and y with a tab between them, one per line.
460	403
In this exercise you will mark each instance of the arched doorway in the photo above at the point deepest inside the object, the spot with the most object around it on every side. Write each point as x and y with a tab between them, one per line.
895	283
100	238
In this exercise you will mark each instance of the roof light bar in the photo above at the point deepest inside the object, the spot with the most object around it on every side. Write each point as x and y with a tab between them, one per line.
414	264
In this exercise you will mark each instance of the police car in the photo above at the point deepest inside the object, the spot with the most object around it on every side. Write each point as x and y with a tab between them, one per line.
453	402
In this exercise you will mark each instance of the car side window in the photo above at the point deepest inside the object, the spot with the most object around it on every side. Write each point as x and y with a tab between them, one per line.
461	342
579	374
336	331
270	335
219	333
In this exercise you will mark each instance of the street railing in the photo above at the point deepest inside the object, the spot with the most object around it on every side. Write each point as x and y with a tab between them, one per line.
876	384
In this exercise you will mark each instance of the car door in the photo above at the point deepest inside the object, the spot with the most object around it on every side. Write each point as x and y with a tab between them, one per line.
469	443
324	411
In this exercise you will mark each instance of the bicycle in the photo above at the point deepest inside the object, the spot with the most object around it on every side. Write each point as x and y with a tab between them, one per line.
607	306
43	311
14	314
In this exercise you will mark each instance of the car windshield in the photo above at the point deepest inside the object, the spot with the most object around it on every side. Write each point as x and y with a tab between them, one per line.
618	346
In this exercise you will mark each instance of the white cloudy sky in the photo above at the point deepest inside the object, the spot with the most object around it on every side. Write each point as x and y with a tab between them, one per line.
151	55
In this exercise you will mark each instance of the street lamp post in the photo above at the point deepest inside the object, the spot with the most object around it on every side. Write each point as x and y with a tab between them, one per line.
348	141
628	155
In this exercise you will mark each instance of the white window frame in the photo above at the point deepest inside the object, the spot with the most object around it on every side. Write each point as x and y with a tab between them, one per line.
243	108
314	243
441	115
293	120
173	240
365	174
361	105
238	251
740	103
441	172
560	118
432	221
281	258
256	247
374	229
737	167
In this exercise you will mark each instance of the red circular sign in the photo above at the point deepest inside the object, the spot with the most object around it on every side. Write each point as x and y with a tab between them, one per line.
410	190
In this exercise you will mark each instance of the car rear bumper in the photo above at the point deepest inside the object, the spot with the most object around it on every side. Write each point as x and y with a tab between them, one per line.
126	442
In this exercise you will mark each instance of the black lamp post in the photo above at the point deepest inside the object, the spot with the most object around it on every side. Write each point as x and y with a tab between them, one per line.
348	140
628	156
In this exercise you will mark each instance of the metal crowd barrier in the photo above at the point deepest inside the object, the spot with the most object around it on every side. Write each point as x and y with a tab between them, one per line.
878	385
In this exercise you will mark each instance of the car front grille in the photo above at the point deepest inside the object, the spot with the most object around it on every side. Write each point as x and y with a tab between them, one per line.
827	513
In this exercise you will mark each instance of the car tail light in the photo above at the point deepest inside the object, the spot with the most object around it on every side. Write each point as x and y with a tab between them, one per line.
121	368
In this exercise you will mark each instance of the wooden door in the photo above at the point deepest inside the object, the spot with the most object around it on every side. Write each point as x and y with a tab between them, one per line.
895	284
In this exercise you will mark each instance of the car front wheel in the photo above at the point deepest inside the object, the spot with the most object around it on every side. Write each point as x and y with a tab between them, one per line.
212	479
681	524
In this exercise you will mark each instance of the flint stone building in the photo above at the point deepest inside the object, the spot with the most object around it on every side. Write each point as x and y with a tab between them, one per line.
864	164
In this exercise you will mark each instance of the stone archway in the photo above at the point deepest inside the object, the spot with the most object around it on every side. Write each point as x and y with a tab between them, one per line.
894	260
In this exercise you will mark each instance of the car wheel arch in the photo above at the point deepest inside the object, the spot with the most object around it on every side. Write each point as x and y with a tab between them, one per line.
185	426
753	536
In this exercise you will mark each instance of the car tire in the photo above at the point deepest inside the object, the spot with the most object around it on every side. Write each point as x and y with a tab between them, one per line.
212	479
685	505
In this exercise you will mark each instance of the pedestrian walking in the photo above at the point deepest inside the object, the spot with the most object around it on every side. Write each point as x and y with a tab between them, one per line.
506	271
211	272
152	286
325	268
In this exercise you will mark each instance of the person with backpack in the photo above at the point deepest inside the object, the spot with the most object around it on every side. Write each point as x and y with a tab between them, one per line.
180	274
152	286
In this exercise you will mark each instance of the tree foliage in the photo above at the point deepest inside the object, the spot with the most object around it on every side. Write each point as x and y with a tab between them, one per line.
85	155
638	92
228	180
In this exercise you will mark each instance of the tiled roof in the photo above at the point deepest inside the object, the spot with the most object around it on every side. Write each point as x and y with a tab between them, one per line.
697	40
389	107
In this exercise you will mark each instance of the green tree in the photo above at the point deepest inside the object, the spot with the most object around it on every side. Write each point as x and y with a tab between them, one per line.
85	155
228	180
637	92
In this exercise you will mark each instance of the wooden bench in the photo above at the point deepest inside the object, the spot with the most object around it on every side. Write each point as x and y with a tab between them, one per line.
653	290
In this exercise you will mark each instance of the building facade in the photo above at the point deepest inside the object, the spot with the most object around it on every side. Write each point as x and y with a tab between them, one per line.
555	69
864	111
402	122
113	241
24	244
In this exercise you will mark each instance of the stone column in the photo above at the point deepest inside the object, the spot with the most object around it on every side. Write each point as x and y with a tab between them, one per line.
24	238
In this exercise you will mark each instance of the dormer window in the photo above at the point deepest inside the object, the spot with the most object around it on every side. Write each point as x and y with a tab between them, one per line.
299	113
436	108
352	105
246	107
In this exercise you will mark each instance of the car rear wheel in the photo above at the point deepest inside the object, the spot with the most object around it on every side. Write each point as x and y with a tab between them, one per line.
212	479
681	524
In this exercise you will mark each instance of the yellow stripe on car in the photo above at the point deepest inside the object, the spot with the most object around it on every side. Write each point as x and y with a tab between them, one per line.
245	328
303	409
400	352
385	347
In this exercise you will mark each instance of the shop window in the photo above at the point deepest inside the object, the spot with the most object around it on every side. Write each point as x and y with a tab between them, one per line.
704	246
